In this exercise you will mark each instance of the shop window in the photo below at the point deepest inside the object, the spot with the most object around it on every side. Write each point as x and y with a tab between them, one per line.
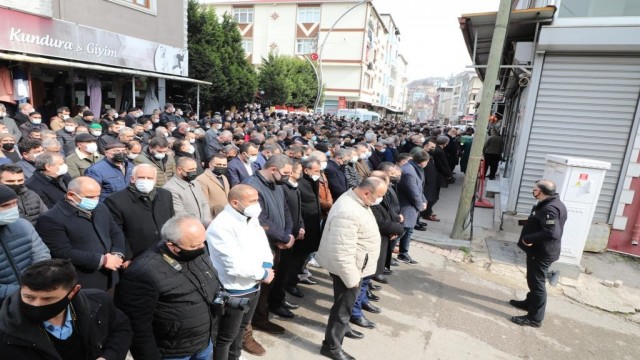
243	15
149	6
306	46
309	15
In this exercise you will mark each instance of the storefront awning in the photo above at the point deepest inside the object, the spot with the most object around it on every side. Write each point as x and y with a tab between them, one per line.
477	30
81	65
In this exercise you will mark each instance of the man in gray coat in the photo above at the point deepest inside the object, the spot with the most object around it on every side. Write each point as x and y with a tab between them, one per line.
188	198
411	198
20	244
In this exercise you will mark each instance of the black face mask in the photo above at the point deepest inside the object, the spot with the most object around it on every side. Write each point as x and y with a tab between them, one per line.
190	176
119	157
8	146
16	187
39	314
188	255
219	170
395	180
283	179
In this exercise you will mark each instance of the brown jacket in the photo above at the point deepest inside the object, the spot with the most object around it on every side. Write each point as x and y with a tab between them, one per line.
326	201
215	191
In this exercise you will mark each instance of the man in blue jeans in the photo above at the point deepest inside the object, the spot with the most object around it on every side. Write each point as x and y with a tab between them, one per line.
411	198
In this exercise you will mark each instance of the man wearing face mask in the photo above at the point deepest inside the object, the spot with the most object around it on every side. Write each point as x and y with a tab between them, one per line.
349	248
244	165
30	205
111	136
362	165
9	150
81	229
156	154
50	180
84	156
9	123
326	200
216	143
276	219
35	122
215	185
240	253
30	149
132	115
113	173
187	194
141	210
67	134
336	175
21	244
50	317
168	115
268	150
432	184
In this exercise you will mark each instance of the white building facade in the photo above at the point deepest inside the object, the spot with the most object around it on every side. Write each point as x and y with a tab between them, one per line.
360	64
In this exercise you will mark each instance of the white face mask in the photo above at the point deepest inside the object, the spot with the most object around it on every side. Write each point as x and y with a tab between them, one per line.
362	156
253	159
62	169
378	201
65	117
145	186
166	135
354	158
368	154
159	156
132	156
192	141
315	177
191	149
96	133
155	121
36	121
218	127
323	165
70	128
252	211
92	147
3	114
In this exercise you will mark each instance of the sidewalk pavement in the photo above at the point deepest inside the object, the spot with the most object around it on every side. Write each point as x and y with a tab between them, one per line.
496	251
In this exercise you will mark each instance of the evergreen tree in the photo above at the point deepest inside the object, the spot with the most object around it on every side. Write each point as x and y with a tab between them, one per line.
288	80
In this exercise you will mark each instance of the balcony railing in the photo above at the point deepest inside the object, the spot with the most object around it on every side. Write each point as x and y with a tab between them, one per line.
530	4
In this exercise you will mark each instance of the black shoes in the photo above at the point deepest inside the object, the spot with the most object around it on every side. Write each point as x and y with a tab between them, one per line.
336	354
293	290
354	334
422	223
282	311
374	287
381	279
308	281
519	305
405	258
371	308
420	228
553	277
290	305
525	321
362	322
371	296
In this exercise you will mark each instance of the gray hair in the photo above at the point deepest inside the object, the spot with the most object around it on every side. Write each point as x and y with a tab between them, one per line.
47	158
125	130
318	156
172	231
144	166
308	164
278	161
50	143
198	132
370	137
342	153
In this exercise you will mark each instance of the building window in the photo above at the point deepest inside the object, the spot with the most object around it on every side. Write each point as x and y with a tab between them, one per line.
243	15
149	6
598	8
309	15
306	46
247	46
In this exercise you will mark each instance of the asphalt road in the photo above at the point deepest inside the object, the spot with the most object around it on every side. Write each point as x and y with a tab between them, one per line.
440	309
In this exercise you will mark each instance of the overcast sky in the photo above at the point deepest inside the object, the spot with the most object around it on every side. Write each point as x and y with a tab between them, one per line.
431	38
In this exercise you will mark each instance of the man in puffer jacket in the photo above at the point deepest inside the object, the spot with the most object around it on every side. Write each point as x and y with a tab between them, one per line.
30	205
20	245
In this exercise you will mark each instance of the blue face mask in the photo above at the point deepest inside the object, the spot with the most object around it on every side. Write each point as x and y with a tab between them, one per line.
87	204
314	138
328	153
9	216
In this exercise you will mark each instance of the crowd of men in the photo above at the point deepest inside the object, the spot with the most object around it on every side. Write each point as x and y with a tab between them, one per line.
200	229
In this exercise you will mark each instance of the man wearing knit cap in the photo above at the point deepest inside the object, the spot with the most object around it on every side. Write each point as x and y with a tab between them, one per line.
21	245
113	173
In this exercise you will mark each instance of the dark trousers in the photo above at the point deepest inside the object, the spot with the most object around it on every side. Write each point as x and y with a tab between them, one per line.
429	211
536	300
261	314
295	268
362	298
343	300
491	162
405	240
231	330
282	270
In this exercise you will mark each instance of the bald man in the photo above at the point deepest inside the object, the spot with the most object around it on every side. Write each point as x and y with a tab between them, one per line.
81	229
241	254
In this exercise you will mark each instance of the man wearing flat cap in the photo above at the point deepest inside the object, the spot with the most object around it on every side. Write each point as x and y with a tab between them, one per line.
113	173
84	155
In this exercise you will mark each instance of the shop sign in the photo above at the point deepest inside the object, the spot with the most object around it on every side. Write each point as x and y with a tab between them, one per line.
30	34
342	102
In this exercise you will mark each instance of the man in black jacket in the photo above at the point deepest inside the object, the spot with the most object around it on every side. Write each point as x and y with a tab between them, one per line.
141	210
30	205
445	175
541	240
51	318
431	184
167	293
335	173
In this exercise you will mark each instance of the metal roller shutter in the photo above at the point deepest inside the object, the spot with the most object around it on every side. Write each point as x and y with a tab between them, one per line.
585	107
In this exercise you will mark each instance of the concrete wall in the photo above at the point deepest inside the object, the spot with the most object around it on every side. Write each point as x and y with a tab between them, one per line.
167	26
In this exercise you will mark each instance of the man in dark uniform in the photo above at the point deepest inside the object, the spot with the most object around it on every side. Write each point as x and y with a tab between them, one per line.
540	239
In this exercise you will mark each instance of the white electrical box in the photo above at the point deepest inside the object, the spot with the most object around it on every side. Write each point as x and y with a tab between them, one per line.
578	182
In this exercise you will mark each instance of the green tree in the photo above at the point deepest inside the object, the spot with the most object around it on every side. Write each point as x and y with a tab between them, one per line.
288	80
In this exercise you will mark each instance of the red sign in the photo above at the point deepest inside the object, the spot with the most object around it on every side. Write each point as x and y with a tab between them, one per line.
584	176
342	102
314	56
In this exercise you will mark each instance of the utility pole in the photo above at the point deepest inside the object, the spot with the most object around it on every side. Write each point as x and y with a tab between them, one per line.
488	90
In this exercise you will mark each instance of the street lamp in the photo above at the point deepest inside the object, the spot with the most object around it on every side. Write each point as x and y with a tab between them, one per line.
315	106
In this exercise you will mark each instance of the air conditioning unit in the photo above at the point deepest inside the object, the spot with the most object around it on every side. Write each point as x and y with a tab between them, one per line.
524	52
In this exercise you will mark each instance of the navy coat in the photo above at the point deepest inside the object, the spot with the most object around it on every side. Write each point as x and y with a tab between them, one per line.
337	179
236	171
410	193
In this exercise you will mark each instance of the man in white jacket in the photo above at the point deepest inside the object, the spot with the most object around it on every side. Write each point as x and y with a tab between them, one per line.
241	255
349	250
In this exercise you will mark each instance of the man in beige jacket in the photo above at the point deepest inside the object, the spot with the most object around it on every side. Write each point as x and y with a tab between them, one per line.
215	185
349	250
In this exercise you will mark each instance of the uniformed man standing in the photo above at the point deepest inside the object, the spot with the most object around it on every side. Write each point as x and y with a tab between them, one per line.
540	239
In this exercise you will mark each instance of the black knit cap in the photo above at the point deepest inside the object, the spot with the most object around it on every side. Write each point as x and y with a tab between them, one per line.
6	194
